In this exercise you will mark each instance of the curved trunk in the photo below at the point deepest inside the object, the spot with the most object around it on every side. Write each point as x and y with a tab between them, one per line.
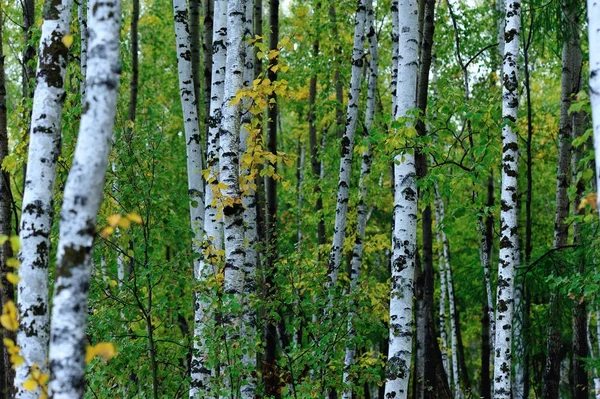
509	241
38	210
404	235
341	209
363	213
81	202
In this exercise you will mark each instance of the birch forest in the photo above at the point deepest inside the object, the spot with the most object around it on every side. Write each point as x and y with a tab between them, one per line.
247	199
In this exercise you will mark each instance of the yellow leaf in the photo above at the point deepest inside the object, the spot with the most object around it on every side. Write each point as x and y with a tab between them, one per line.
135	218
30	384
106	232
592	198
15	244
113	283
16	360
3	239
67	40
9	316
113	220
12	262
12	278
124	223
105	349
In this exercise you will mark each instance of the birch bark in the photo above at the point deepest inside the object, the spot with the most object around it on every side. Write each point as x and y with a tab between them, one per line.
213	228
593	12
362	217
38	211
442	252
249	204
230	194
404	234
196	193
341	210
192	131
509	247
81	202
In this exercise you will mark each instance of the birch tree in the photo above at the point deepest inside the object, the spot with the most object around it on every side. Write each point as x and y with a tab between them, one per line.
341	209
570	82
37	207
404	235
213	228
593	12
509	242
199	383
363	212
192	131
249	203
81	202
230	194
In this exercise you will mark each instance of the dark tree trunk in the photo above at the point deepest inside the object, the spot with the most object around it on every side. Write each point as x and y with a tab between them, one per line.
7	292
272	380
315	163
207	67
430	360
484	386
194	25
28	71
570	85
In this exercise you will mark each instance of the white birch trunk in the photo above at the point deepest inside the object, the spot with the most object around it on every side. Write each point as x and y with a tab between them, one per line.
509	248
250	226
519	343
453	327
230	194
229	151
38	210
363	213
404	235
81	202
593	12
341	209
439	216
191	128
200	386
